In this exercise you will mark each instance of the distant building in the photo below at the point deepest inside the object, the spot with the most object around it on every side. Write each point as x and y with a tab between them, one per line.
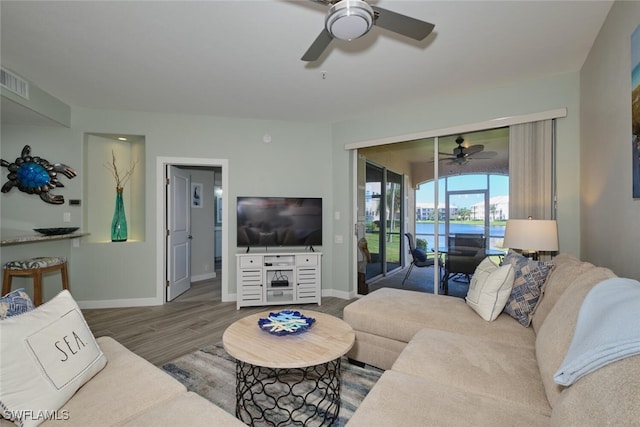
498	210
426	212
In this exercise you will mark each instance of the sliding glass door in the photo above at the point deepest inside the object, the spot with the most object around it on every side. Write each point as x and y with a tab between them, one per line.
393	221
383	219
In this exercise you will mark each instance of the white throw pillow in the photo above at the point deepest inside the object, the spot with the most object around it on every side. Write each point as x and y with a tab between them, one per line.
490	288
46	355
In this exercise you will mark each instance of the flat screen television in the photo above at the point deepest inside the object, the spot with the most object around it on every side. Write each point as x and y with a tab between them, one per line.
279	221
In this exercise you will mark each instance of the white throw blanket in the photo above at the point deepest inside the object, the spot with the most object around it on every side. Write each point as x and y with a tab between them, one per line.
607	330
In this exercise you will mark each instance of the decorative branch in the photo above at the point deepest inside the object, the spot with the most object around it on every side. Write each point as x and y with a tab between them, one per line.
113	168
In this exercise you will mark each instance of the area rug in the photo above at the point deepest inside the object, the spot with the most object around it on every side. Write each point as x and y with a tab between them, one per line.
210	372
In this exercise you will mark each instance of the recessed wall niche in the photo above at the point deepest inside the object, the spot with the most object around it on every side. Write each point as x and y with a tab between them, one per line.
100	185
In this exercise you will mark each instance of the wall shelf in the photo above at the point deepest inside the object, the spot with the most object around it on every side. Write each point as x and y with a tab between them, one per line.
34	238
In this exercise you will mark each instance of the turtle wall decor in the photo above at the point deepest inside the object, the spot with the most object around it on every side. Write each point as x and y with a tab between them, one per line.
35	175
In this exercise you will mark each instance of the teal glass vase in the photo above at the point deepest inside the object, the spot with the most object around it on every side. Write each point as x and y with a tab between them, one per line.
119	222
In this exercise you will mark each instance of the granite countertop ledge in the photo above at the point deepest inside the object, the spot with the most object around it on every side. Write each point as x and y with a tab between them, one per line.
15	239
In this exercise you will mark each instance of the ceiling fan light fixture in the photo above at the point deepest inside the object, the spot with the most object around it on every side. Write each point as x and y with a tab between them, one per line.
349	19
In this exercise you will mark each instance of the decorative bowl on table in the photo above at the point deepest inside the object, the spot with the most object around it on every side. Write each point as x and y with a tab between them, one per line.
56	231
286	322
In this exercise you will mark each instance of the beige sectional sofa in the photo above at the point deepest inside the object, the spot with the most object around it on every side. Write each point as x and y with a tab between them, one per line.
54	372
445	365
130	391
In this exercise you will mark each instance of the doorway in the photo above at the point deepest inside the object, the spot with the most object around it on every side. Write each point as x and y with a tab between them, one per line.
205	220
467	212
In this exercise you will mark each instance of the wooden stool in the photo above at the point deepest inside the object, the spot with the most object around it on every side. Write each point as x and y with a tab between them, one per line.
34	267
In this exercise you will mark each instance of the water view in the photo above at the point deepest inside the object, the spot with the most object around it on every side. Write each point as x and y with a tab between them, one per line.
425	230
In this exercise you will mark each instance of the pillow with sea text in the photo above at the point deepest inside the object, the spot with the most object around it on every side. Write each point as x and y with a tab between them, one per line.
46	355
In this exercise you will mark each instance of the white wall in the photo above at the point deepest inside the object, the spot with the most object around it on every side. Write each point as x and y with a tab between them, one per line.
610	231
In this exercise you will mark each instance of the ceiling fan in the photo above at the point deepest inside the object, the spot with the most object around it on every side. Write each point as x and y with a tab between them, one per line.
461	154
351	19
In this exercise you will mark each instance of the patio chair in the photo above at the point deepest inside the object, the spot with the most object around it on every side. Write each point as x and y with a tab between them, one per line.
464	254
419	258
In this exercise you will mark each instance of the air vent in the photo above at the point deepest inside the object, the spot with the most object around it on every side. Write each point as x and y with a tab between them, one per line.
14	83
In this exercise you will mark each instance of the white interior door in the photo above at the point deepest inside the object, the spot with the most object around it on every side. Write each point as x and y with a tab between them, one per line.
179	233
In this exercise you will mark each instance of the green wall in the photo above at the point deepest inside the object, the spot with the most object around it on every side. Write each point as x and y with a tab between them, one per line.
293	164
303	159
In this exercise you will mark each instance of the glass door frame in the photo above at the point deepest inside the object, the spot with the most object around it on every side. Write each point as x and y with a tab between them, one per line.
396	204
382	236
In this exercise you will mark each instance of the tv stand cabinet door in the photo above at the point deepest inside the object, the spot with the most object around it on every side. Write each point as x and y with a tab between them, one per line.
308	280
250	281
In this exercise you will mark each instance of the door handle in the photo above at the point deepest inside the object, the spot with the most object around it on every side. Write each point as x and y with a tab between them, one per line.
190	237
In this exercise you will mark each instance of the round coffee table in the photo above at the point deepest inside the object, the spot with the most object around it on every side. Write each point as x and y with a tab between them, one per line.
289	379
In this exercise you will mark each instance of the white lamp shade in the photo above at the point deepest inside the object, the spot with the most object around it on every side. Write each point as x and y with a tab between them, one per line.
531	234
349	19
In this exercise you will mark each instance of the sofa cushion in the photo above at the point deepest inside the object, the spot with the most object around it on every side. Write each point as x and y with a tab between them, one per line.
15	302
606	397
400	399
554	338
490	288
566	269
496	370
375	350
398	314
46	355
126	387
527	284
187	409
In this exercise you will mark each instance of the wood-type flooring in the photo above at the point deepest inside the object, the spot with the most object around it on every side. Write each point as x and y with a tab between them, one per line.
192	321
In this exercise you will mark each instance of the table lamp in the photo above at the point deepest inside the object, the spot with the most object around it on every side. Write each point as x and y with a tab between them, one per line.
531	236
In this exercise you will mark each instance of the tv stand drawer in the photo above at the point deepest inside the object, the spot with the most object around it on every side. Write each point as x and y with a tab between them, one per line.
249	261
306	259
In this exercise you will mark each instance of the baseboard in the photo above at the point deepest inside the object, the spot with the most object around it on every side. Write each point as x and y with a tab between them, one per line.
120	303
206	276
229	298
337	294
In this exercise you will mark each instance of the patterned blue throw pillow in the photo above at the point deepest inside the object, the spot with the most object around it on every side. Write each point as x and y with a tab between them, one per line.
529	278
16	302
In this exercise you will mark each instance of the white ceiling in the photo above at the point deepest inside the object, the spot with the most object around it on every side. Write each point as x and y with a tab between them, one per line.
242	58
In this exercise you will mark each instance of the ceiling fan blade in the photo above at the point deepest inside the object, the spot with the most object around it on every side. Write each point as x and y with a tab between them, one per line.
402	24
472	149
318	46
484	155
458	161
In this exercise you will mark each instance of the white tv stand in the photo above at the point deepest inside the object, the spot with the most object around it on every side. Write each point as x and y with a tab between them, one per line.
275	278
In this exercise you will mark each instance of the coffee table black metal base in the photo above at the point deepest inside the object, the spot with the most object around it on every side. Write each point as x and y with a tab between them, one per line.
307	396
